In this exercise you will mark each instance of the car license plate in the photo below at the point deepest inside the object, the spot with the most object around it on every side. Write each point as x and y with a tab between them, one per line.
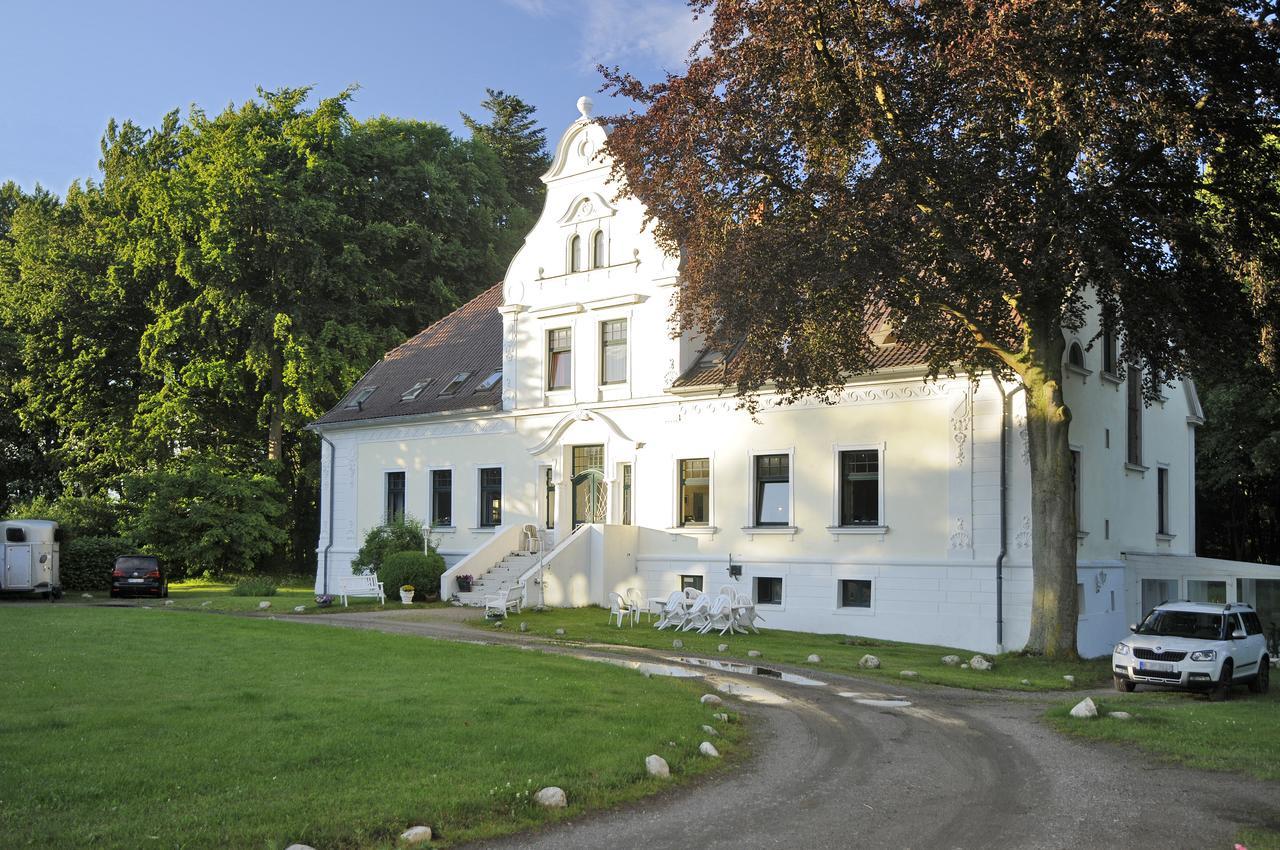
137	580
1160	666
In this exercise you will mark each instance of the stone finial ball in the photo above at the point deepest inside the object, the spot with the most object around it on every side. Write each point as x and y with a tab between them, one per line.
585	106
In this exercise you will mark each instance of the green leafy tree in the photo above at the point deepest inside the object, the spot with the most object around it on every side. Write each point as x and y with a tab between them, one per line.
203	517
402	535
521	145
987	173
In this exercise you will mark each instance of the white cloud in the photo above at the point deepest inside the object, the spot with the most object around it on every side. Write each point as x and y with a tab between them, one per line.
623	31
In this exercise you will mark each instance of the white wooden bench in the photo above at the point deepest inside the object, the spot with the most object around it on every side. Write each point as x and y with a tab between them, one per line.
501	603
365	584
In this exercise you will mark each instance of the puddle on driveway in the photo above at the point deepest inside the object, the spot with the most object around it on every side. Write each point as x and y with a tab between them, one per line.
750	693
751	670
646	667
876	700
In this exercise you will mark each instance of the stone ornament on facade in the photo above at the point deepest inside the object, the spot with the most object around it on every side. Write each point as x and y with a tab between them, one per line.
960	538
1023	538
961	417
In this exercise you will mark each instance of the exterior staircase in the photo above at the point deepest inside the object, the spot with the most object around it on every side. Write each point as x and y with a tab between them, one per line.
498	579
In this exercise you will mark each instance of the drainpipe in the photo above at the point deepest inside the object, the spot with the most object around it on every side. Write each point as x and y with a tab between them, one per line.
1006	412
333	456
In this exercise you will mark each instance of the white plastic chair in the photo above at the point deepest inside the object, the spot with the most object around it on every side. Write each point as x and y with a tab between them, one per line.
747	614
697	616
692	594
728	590
674	612
719	615
637	604
618	608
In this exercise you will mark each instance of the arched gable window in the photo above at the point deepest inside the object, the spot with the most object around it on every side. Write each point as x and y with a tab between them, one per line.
575	254
597	250
1075	355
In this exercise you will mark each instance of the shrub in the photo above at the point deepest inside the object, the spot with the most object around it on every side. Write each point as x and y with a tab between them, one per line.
255	586
76	516
420	569
85	562
404	535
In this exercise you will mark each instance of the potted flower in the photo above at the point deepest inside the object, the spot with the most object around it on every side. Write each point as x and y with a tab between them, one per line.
464	582
324	600
406	594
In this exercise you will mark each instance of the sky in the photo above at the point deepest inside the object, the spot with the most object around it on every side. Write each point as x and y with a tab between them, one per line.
68	67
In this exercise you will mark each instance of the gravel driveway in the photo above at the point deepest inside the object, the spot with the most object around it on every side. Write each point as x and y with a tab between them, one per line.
833	768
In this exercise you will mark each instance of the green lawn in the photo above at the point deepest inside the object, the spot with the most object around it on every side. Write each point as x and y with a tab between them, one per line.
1259	839
137	728
1240	735
839	653
216	596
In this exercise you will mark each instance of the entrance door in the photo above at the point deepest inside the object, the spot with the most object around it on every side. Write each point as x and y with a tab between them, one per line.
590	492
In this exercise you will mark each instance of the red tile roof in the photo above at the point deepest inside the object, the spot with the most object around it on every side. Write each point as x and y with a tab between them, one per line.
467	340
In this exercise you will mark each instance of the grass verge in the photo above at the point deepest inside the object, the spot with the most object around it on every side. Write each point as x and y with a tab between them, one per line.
1240	735
216	596
1259	839
839	653
129	728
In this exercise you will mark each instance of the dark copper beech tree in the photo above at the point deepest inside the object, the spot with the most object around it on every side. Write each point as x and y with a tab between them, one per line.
987	172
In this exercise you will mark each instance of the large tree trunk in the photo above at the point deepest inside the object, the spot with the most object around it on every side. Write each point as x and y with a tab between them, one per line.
1053	543
275	427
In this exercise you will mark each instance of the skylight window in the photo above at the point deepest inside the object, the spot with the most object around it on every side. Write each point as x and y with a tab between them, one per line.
456	384
357	401
489	382
416	390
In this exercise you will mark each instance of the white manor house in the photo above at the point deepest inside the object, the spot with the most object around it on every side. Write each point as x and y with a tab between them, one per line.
560	399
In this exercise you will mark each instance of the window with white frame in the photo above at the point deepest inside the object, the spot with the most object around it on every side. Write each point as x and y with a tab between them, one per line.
1162	500
559	359
859	490
575	254
442	498
855	593
687	582
694	476
395	497
597	250
1133	411
1077	500
613	351
549	484
491	497
772	486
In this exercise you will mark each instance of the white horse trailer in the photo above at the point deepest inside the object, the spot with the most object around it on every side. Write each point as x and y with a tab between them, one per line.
29	557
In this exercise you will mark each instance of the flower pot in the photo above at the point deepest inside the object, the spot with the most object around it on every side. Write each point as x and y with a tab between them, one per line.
406	596
464	586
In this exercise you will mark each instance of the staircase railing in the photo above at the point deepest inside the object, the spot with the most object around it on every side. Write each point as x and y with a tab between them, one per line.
505	541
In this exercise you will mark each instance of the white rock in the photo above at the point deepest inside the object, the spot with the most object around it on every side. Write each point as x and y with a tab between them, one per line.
964	666
908	674
814	659
551	798
1085	709
711	699
206	603
1070	680
86	596
1120	715
721	716
724	647
657	766
869	662
559	631
677	644
298	609
524	627
710	730
979	662
753	653
708	749
168	602
416	835
951	660
1025	682
299	847
264	605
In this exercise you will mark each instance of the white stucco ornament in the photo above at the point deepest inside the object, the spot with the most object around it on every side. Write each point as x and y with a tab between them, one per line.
585	105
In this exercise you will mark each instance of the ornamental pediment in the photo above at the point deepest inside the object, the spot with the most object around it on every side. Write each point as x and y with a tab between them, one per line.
588	206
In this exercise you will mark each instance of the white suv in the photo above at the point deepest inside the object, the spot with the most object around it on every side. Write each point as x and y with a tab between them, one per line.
1195	645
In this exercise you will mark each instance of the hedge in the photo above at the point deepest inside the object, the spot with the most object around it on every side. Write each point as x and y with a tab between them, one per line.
85	562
